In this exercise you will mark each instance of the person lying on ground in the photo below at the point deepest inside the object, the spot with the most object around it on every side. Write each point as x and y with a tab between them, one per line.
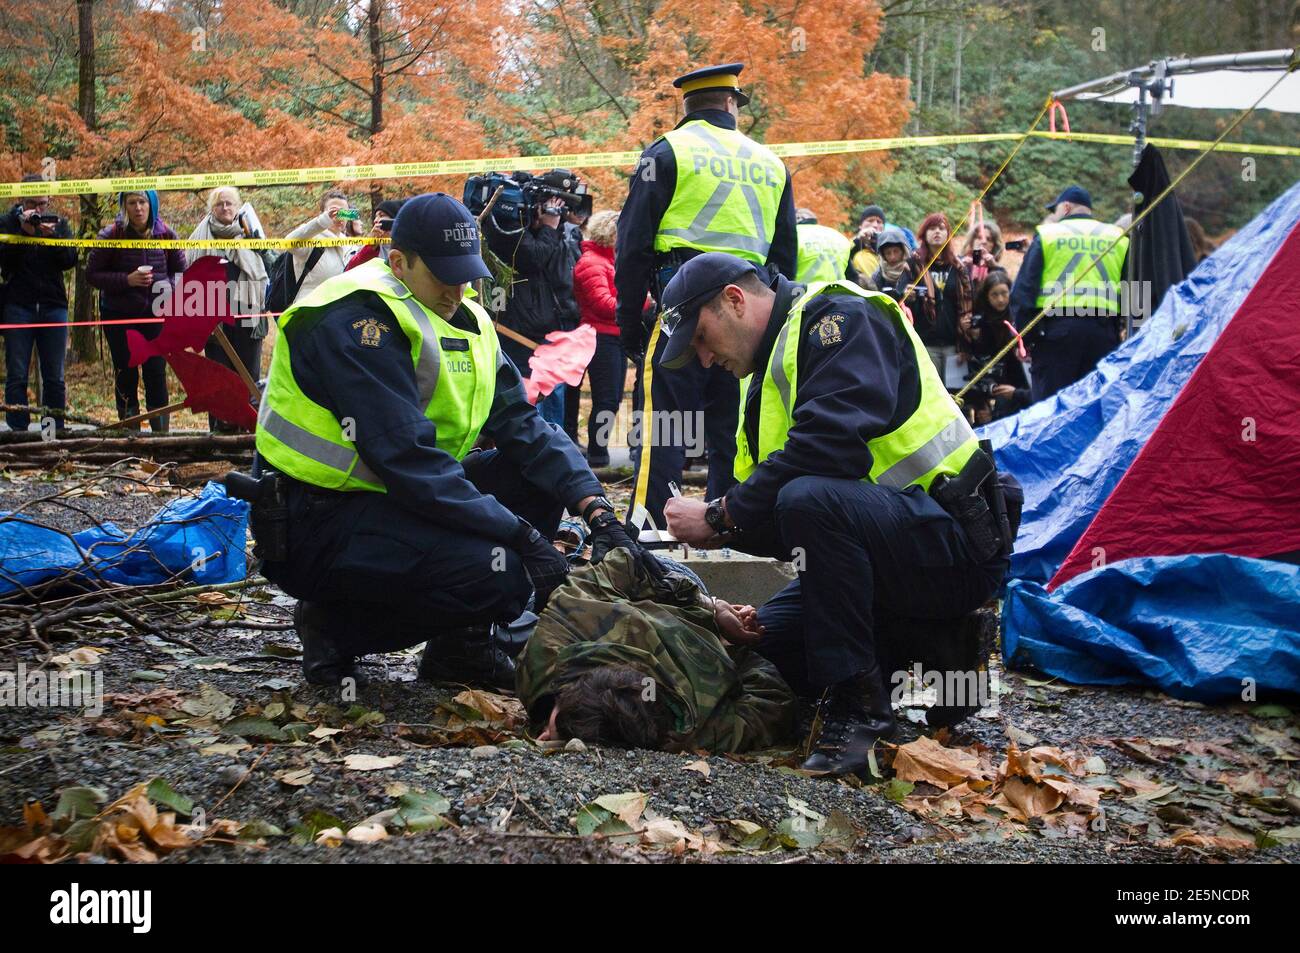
617	661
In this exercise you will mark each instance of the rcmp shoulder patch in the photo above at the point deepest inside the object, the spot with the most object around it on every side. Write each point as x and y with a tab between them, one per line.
826	332
370	332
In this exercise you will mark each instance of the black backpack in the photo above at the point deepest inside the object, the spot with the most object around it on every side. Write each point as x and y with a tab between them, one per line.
282	287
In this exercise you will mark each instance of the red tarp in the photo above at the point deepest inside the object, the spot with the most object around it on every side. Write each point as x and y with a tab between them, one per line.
1221	472
189	321
212	388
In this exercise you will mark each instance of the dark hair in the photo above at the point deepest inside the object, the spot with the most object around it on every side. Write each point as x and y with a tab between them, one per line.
996	333
333	194
390	207
707	99
995	277
607	706
750	282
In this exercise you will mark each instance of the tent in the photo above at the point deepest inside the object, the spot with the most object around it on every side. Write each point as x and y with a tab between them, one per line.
1161	504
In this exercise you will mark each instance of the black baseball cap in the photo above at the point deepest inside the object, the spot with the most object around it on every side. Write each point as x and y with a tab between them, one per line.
696	284
444	234
1071	193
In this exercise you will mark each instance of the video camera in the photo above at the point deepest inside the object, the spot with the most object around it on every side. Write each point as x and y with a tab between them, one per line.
522	194
981	393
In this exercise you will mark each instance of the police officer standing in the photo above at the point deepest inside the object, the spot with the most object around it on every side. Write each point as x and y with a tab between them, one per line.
856	465
703	187
823	252
398	530
1083	326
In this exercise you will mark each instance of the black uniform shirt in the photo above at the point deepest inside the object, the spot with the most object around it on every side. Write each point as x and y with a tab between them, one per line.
857	379
650	191
376	387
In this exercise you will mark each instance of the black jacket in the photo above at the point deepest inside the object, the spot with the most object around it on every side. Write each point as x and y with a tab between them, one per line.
34	274
541	295
376	387
858	379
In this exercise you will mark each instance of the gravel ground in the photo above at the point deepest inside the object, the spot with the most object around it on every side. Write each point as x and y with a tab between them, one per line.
514	801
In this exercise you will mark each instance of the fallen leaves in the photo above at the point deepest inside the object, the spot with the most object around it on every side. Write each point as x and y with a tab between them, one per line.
962	783
82	655
927	761
295	777
625	819
132	828
370	762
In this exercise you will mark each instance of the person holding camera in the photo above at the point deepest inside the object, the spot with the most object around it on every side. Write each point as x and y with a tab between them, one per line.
864	256
388	525
380	227
982	252
942	299
337	219
130	281
541	294
1005	389
894	274
704	186
34	294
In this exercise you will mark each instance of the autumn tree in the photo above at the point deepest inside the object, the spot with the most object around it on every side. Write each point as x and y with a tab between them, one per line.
605	80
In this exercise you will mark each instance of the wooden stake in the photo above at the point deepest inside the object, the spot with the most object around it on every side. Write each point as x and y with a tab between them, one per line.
229	348
170	408
515	336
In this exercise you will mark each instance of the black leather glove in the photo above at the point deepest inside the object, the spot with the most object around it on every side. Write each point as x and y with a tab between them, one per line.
632	334
608	532
546	565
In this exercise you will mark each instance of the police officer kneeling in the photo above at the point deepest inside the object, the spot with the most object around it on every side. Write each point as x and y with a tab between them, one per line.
398	530
856	465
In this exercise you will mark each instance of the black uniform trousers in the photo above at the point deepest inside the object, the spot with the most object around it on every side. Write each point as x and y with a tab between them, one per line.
687	405
879	571
399	576
1067	351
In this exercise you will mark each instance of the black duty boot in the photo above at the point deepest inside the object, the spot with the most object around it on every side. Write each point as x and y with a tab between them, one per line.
471	655
851	717
323	662
962	658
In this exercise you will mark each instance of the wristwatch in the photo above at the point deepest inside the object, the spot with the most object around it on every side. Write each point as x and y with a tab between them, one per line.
599	502
715	514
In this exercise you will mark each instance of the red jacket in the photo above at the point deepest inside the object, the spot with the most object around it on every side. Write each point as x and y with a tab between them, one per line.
593	286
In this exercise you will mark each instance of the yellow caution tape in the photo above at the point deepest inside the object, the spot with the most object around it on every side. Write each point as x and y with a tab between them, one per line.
1191	144
589	160
334	173
789	149
214	243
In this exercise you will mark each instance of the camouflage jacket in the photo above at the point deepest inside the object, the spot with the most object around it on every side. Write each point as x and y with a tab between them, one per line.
723	699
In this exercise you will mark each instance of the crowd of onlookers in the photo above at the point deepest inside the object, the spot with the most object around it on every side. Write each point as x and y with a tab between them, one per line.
955	290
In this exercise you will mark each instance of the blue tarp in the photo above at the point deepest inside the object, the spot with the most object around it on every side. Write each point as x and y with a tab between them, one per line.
201	537
1196	627
1070	450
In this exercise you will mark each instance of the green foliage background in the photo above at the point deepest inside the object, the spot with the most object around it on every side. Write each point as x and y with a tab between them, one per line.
1015	52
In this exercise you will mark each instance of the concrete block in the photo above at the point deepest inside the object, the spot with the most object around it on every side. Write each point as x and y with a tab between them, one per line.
737	577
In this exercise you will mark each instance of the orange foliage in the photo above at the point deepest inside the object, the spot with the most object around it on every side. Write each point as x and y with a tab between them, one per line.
261	87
